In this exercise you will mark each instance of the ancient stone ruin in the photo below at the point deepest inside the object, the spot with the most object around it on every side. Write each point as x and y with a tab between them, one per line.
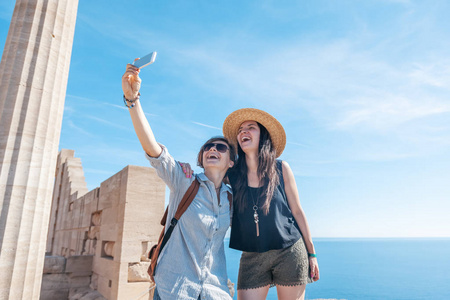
98	241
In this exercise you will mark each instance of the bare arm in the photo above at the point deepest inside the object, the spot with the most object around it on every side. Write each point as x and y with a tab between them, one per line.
131	84
291	190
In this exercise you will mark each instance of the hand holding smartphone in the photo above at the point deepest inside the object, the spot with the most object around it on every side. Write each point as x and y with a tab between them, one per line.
145	61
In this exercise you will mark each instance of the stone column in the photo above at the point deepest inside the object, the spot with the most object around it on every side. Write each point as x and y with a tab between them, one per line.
33	80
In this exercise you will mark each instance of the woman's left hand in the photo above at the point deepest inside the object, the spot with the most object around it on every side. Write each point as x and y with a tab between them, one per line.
314	267
186	169
131	82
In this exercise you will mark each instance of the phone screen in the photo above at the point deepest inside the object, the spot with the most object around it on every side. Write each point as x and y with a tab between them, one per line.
146	60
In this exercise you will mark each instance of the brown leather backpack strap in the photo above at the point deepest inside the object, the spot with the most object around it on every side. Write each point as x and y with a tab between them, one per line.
193	188
182	206
187	198
165	235
164	218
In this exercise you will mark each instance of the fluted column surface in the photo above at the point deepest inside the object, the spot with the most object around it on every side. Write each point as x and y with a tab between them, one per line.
33	80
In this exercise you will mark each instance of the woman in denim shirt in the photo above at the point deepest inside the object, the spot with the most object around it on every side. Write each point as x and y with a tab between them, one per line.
192	264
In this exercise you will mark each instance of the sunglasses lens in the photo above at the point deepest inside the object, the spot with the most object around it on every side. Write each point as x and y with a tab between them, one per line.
219	147
208	146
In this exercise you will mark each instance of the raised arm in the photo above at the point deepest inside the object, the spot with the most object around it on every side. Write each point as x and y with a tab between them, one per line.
131	84
290	188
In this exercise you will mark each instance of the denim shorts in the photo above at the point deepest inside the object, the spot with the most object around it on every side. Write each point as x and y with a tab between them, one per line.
288	267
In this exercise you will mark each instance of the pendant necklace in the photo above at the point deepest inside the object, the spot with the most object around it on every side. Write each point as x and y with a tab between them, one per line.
255	211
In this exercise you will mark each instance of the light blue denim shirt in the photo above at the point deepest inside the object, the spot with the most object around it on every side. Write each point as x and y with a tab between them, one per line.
192	263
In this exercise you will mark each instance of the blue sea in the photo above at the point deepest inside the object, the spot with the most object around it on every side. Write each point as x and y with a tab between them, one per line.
379	268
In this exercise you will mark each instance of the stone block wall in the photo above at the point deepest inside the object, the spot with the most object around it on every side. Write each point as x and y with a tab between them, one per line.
115	225
64	278
55	283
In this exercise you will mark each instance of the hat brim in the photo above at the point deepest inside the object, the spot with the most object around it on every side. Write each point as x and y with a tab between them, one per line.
235	119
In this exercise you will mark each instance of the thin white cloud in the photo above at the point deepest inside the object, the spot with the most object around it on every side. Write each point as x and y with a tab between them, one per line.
297	144
122	107
208	126
79	129
433	74
68	109
389	110
80	98
106	122
151	115
117	106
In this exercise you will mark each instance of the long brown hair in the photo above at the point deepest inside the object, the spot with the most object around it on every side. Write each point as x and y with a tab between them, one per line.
267	172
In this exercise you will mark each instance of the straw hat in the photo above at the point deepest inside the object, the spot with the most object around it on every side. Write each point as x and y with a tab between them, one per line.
235	119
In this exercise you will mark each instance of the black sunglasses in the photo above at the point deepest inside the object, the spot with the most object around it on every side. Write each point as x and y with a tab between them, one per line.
222	148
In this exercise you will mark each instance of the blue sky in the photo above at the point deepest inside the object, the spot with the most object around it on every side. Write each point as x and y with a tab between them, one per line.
361	87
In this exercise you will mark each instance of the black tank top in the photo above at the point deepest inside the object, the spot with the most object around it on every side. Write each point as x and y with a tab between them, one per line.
277	229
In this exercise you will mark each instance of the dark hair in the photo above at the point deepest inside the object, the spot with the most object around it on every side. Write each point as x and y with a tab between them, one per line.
212	140
267	172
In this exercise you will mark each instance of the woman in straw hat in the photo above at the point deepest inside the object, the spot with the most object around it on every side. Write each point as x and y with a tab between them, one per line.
268	224
192	263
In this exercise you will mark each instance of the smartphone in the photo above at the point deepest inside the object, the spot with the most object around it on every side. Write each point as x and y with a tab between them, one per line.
145	61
